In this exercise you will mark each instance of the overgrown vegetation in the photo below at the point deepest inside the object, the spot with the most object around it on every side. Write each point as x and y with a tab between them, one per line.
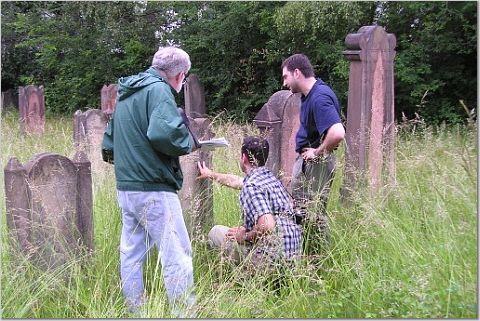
410	252
74	48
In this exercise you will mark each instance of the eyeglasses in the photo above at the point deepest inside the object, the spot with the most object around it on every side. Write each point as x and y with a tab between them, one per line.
185	78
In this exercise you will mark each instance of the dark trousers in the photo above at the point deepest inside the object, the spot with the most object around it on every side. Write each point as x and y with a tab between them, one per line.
311	183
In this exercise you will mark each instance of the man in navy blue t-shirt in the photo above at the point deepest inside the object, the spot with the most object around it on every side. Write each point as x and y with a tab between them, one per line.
320	132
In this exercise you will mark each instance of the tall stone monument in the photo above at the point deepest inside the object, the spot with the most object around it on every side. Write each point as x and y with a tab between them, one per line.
370	133
49	207
31	103
88	129
194	97
108	99
196	196
279	120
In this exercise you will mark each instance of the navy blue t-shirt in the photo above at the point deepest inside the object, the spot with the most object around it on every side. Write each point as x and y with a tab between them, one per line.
319	111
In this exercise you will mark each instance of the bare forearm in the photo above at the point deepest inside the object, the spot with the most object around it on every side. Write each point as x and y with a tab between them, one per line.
333	138
327	146
229	180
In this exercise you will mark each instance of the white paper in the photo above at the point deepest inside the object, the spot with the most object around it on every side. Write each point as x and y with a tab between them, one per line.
213	143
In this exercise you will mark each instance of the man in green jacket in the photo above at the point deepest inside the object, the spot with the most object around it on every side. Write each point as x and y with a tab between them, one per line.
144	139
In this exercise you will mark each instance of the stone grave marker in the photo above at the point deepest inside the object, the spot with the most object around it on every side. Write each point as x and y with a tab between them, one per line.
108	96
194	98
196	196
31	102
88	129
279	120
49	207
9	100
370	130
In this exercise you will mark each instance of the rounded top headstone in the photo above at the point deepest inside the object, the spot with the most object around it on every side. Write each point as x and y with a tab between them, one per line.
272	111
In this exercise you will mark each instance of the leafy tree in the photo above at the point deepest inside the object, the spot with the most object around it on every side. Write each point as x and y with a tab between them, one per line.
436	62
228	45
80	46
74	48
16	60
318	29
237	48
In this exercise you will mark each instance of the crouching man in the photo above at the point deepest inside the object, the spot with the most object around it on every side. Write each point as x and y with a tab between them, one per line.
269	233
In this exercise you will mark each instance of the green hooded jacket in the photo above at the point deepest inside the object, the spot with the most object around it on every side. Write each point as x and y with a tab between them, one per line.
146	135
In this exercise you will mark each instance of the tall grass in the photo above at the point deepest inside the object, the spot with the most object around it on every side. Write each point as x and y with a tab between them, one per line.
409	252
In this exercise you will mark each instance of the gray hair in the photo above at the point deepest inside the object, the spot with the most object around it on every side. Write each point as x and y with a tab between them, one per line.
171	60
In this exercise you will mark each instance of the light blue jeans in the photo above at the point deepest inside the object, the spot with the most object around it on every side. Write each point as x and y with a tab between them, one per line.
155	218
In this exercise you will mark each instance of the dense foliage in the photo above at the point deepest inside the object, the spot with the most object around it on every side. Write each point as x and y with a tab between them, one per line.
74	48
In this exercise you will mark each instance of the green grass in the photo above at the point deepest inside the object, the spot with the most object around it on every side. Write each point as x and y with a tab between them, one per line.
407	252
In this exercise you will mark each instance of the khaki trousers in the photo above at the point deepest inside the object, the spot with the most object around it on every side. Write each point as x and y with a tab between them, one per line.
217	238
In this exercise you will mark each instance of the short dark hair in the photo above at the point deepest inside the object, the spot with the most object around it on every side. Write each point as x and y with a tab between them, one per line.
256	149
300	62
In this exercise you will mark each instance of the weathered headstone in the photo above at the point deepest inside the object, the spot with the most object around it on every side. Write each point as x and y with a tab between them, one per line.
31	103
49	207
194	98
88	129
370	133
196	196
9	100
279	119
108	97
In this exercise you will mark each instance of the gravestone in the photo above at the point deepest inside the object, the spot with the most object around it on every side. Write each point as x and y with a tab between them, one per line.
108	99
88	129
9	100
370	130
31	103
49	207
196	196
194	98
279	120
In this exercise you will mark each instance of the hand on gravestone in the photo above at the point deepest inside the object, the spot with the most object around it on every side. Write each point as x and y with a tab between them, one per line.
205	172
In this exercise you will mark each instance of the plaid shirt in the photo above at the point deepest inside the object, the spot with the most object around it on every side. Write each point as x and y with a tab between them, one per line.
263	193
